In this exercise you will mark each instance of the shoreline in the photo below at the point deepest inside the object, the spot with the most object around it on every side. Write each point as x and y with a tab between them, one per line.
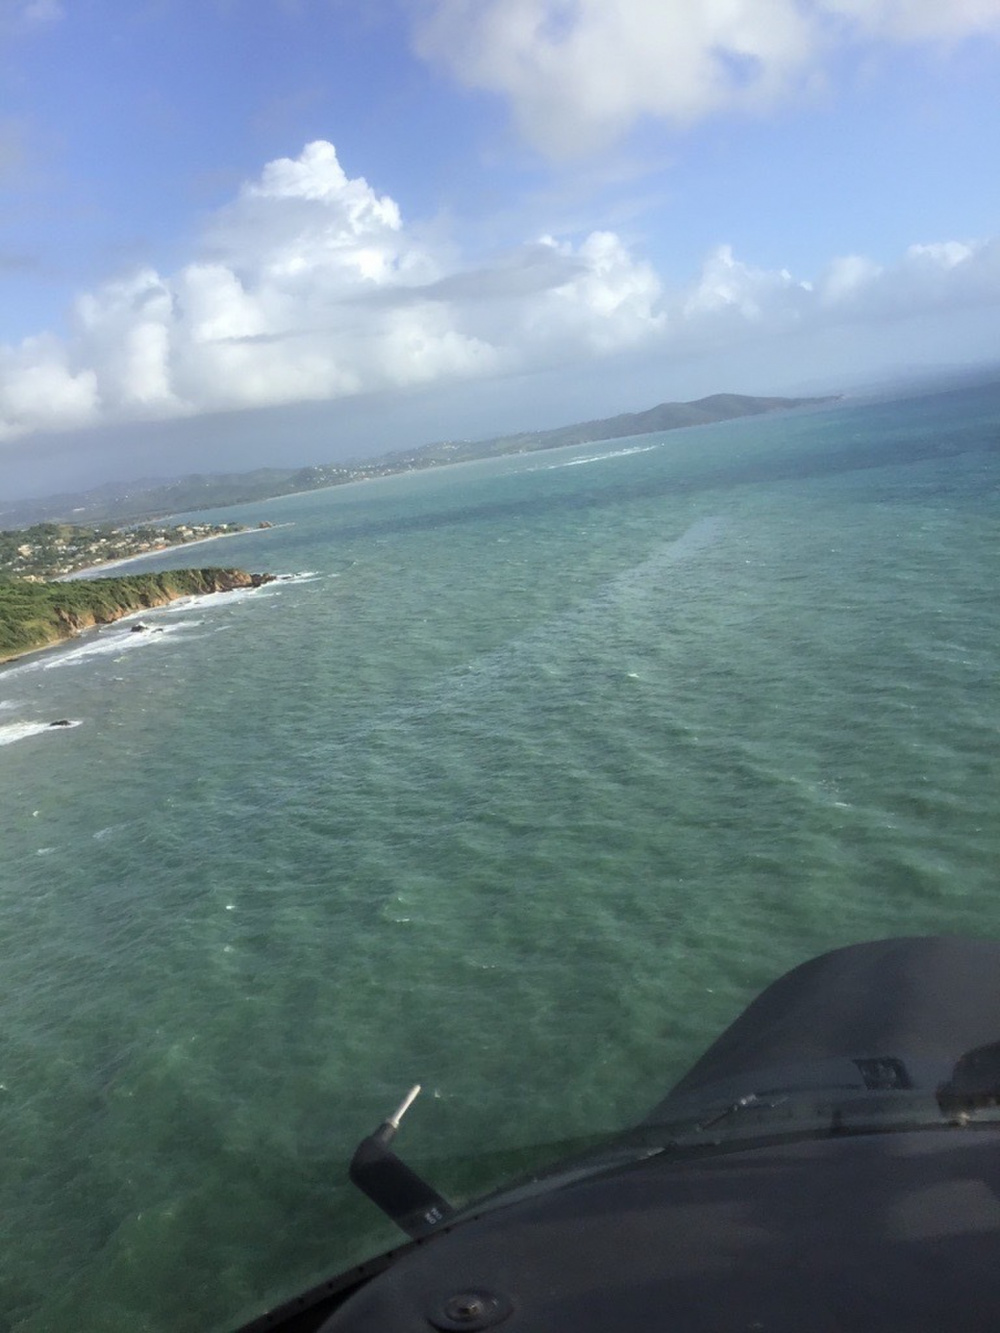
162	550
522	454
224	580
804	405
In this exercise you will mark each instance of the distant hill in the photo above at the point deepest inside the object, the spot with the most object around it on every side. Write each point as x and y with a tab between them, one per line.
117	502
663	417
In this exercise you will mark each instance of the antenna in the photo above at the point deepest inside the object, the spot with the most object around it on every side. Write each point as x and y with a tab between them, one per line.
402	1195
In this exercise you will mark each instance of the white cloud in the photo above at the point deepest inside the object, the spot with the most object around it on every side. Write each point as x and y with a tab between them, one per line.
845	277
919	20
123	336
37	385
931	278
310	287
579	73
731	289
607	302
733	300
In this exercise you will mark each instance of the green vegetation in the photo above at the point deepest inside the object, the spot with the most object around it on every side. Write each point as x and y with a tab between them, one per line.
35	614
49	550
216	490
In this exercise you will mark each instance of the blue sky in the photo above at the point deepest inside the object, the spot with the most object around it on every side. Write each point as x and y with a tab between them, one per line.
245	231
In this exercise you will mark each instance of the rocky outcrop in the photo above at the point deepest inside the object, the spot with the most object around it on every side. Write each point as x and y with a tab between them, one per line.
35	615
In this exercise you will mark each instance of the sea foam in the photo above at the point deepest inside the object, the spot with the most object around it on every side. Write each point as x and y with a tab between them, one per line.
20	731
125	636
600	458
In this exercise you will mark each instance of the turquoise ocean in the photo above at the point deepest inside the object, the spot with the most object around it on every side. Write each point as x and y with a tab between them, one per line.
533	773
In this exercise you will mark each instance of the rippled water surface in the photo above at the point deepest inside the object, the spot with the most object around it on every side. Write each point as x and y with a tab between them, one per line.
537	771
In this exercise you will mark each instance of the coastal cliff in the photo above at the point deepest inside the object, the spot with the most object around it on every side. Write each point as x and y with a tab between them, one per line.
35	614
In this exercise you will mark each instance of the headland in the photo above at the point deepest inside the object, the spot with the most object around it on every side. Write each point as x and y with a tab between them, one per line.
36	614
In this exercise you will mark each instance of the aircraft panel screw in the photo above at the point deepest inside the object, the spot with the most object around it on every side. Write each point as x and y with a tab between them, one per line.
469	1311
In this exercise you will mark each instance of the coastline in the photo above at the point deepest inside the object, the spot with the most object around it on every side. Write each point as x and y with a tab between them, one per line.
88	570
193	583
520	455
519	447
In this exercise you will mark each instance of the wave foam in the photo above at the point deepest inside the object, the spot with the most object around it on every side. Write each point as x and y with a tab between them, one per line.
125	634
20	731
114	642
599	458
108	640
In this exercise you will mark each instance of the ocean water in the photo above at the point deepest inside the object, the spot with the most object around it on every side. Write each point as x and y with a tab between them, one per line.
534	773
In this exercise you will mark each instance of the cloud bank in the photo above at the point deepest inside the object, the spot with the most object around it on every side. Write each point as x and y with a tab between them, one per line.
579	73
309	286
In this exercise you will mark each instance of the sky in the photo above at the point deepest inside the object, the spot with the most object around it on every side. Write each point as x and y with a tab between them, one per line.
246	232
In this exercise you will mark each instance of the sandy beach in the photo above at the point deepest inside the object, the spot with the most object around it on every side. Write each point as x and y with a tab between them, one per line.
95	571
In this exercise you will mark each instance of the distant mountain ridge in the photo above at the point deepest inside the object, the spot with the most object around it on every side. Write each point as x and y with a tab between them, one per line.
117	502
663	417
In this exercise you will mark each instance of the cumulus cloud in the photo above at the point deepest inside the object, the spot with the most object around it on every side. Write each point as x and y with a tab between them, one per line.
38	386
732	299
929	278
735	292
579	73
311	287
610	302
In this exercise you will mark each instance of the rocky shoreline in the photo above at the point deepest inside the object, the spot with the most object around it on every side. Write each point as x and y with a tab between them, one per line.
37	615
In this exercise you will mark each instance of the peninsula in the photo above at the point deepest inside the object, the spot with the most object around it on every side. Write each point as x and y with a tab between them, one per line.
37	614
53	550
